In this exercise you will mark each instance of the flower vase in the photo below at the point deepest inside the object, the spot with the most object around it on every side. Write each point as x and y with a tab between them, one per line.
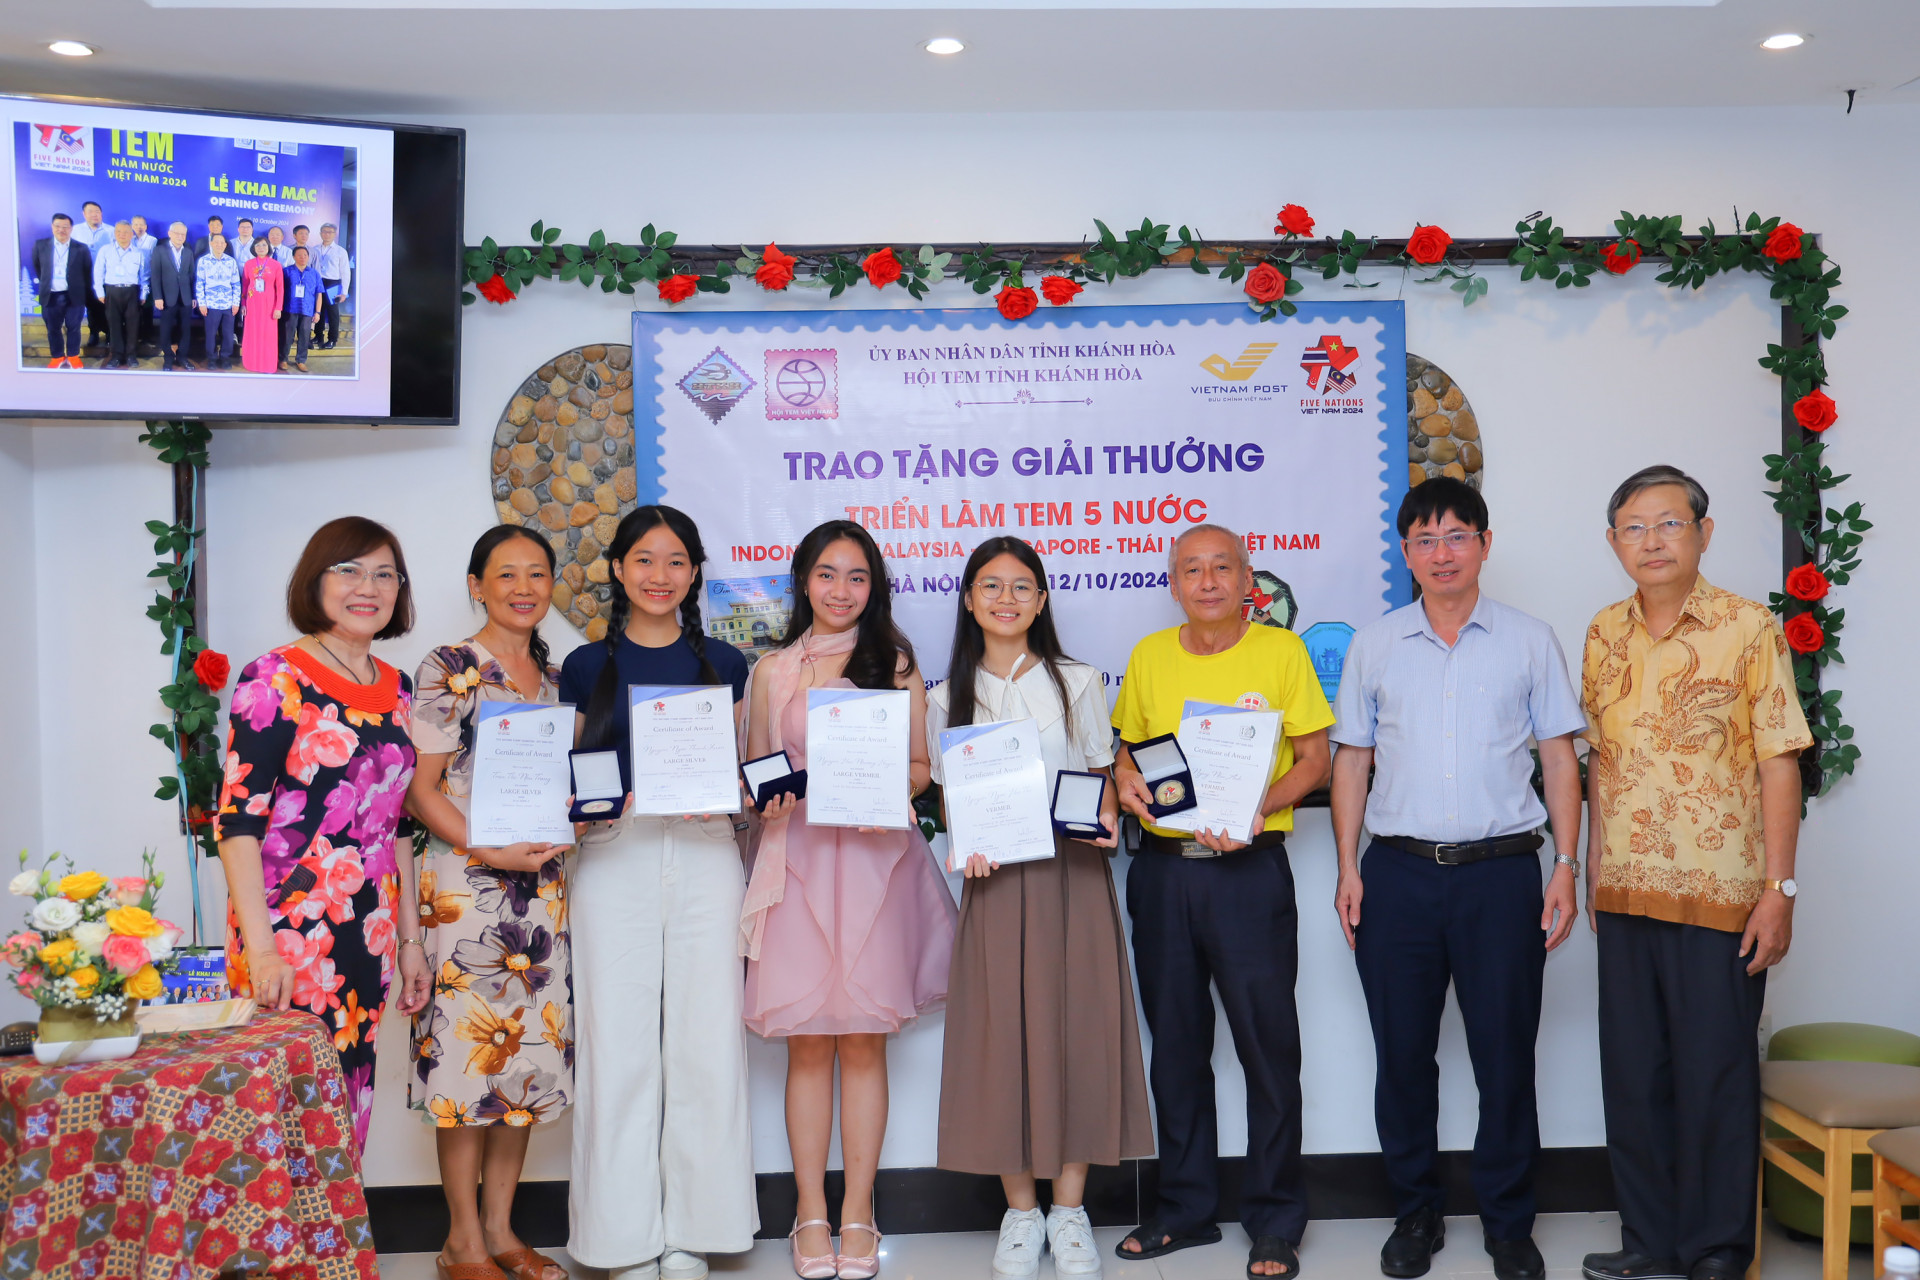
75	1035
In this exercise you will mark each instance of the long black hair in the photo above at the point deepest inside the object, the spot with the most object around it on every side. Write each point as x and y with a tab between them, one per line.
483	549
601	727
881	651
970	644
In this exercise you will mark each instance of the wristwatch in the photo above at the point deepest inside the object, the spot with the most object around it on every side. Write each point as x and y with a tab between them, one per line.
1787	887
1562	860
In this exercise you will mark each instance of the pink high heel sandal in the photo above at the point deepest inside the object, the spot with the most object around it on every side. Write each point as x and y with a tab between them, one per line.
860	1268
824	1266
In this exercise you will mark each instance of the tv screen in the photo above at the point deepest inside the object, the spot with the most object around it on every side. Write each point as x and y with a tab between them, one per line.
174	263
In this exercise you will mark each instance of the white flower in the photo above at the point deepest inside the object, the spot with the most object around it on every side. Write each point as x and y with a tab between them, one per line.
26	884
160	946
55	915
91	936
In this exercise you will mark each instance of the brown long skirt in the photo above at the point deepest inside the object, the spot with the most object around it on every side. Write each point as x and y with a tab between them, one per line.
1042	1064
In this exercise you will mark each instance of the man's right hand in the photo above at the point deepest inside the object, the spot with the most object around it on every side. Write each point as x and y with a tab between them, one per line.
1134	796
1346	902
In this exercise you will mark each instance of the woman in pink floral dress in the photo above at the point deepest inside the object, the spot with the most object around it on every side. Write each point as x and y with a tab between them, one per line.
318	761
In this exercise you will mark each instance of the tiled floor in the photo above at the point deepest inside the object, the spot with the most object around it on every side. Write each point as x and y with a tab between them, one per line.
1346	1249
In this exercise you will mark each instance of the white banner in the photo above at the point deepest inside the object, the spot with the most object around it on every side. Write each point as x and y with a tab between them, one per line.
1095	433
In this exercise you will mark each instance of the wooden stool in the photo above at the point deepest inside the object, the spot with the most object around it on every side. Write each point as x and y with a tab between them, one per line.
1834	1109
1896	1182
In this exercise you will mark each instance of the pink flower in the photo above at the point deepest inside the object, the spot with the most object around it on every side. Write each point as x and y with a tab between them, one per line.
339	876
28	980
379	930
129	890
257	701
127	955
314	981
321	741
19	949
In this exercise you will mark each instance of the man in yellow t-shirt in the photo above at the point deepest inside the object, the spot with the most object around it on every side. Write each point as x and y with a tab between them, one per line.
1214	911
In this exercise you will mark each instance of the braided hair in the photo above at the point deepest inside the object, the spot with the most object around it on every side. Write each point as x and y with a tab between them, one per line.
483	549
881	651
602	727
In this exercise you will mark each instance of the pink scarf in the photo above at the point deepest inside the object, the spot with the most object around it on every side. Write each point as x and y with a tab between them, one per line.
788	671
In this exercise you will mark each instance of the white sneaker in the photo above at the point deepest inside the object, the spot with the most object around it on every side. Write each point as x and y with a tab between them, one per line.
1023	1234
1070	1236
648	1270
681	1264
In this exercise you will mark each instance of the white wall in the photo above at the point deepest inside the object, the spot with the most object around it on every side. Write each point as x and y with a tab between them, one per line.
1572	390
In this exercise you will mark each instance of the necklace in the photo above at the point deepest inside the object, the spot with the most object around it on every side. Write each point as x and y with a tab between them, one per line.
341	663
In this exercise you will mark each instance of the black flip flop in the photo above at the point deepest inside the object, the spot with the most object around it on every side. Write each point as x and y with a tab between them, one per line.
1273	1249
1148	1234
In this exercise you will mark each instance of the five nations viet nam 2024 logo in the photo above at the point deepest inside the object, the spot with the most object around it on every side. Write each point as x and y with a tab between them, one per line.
1332	355
61	148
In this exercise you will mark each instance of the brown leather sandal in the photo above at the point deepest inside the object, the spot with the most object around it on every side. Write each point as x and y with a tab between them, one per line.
525	1264
467	1270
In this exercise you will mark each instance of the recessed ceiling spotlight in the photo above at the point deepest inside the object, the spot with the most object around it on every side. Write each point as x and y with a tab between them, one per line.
943	45
1785	40
71	49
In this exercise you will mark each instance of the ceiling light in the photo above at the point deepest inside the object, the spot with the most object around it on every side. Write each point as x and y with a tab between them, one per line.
71	49
943	45
1785	40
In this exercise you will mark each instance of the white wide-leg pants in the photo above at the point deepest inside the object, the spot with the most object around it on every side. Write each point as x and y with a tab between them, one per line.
662	1154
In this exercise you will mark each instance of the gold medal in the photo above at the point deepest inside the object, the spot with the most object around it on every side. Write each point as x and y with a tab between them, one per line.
1172	791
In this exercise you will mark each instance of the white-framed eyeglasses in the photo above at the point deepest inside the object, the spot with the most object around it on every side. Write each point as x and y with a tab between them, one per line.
992	589
1636	533
383	579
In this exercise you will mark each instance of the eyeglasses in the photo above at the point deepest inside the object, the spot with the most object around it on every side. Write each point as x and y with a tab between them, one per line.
382	579
1632	534
992	589
1455	541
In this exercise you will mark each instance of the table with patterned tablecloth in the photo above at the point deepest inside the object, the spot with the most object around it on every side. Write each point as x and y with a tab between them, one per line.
225	1151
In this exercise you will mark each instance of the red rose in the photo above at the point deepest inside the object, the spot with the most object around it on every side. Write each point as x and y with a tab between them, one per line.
1807	583
211	670
1621	257
1804	634
1060	290
1294	221
776	269
1016	301
1428	245
678	288
1265	284
882	267
1784	244
494	289
1815	410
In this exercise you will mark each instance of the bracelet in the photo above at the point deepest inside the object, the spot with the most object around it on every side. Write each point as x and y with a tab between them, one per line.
411	942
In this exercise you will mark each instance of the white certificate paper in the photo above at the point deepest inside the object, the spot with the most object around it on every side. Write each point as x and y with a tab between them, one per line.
857	751
520	775
996	790
1231	752
684	755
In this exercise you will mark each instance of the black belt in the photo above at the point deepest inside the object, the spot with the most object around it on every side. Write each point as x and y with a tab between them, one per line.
1456	855
1152	842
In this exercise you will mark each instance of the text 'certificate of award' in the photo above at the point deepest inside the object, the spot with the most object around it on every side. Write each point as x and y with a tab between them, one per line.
996	790
1231	752
520	775
684	756
857	751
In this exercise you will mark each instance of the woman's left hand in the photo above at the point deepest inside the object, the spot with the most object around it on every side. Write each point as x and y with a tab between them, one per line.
1111	839
414	987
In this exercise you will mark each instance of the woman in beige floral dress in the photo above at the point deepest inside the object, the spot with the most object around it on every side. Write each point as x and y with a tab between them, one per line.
493	1052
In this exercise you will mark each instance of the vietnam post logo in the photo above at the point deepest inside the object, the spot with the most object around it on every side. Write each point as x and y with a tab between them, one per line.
1245	367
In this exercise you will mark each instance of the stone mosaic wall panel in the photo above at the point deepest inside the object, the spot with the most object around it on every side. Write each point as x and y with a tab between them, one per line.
1443	436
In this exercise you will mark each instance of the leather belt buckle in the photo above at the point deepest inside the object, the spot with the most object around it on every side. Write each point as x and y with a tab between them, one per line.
1447	855
1194	849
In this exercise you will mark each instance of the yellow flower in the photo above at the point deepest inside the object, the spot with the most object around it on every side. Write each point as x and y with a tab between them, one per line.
458	682
449	1114
134	922
86	978
58	955
144	985
81	885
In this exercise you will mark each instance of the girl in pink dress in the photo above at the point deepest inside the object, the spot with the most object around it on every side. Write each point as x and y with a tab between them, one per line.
262	288
847	934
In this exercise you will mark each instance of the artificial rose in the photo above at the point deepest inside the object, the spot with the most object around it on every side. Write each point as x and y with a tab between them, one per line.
126	955
145	984
1016	301
1265	284
81	885
26	884
882	267
55	915
1060	290
1428	245
776	269
129	890
678	288
134	922
494	289
59	954
1294	221
1784	244
1816	410
1807	583
85	979
1621	256
90	936
211	670
160	946
1804	634
19	949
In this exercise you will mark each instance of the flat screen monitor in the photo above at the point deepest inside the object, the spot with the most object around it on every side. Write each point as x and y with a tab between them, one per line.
149	237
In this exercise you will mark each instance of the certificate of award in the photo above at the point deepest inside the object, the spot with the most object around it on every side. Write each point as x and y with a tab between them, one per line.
684	755
996	791
520	775
1231	752
858	743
